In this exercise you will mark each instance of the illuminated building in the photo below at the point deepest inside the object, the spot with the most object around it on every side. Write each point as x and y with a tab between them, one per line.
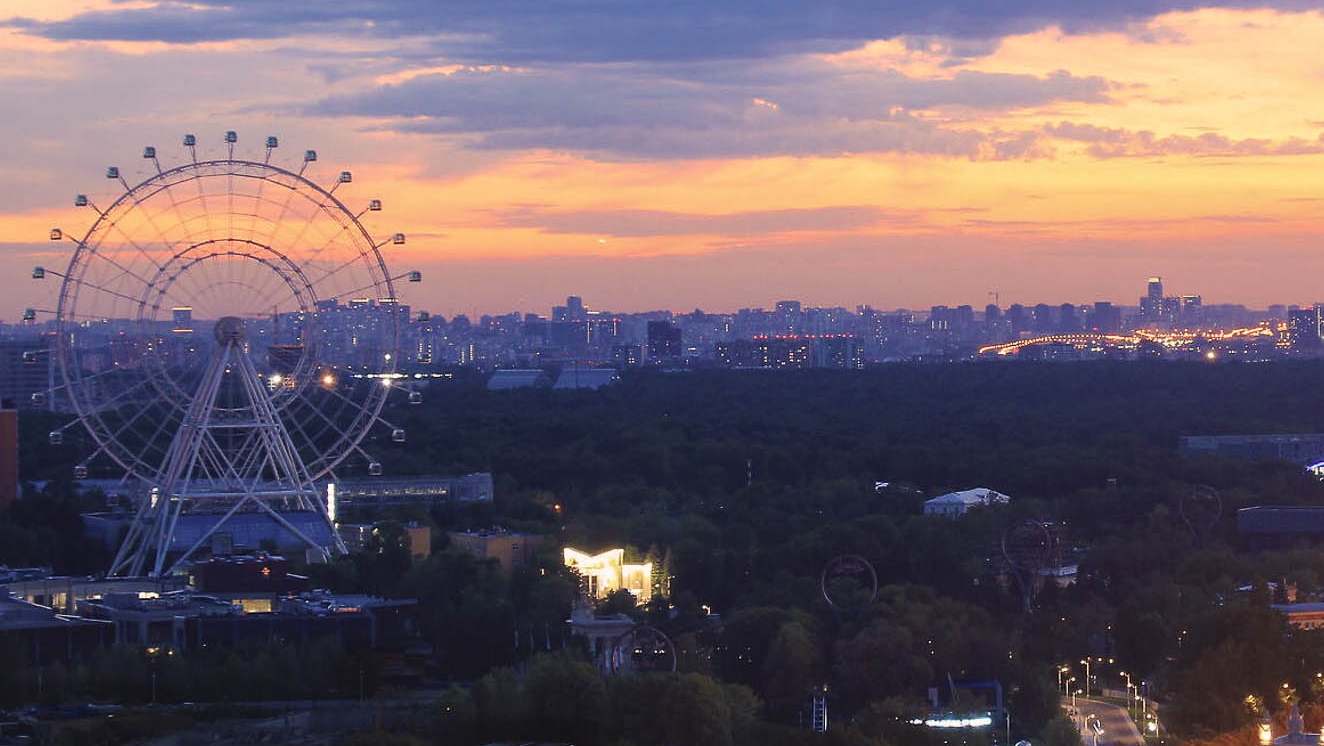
607	572
475	487
1303	327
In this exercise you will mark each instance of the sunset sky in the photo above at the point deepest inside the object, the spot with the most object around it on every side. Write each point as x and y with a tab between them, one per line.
718	155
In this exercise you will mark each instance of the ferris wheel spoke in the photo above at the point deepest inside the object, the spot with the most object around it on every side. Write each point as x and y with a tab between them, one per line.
150	217
352	292
313	439
124	270
346	228
112	293
342	267
130	240
156	427
180	218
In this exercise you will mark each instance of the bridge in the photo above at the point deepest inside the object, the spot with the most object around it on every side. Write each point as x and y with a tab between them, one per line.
1096	340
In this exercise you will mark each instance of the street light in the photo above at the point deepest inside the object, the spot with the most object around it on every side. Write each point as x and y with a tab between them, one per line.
1086	662
1062	670
1130	698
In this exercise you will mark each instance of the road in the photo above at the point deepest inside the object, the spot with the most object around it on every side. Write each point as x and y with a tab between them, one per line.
1104	723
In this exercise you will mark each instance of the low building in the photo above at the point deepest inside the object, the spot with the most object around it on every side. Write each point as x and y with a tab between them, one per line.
1272	527
955	504
510	550
186	620
512	378
607	572
46	636
256	582
1297	448
61	593
1303	615
357	535
475	487
238	533
575	377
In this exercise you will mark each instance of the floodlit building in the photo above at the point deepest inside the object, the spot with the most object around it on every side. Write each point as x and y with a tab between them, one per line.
607	572
955	504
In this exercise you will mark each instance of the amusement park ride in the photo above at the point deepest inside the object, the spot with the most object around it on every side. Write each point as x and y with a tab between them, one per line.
244	415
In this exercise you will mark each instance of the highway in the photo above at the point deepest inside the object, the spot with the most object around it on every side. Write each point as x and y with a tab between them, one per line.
1102	723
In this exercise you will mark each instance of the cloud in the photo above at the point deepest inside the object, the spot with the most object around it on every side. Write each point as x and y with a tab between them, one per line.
649	223
630	30
714	110
1110	142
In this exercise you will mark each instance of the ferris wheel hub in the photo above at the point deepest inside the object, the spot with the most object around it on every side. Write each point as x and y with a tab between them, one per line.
231	330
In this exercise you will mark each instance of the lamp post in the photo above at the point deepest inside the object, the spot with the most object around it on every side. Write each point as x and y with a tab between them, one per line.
1062	671
1130	699
1086	663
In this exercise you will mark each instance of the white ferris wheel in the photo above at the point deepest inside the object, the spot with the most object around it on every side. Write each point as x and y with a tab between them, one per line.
227	333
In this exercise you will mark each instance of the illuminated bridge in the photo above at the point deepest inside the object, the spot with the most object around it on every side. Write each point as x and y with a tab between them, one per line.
1079	340
1096	341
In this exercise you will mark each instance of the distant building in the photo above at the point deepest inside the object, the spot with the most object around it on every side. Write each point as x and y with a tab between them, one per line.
510	378
1303	330
8	454
1303	449
955	504
664	341
575	377
25	372
1271	527
627	355
510	550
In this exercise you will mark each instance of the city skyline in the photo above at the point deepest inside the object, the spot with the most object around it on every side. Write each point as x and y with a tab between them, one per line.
652	157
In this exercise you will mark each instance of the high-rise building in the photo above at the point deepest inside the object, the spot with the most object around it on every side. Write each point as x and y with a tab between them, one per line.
1303	330
664	340
1155	288
25	372
1106	319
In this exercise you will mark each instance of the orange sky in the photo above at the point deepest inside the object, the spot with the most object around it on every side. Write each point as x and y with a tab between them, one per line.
1046	167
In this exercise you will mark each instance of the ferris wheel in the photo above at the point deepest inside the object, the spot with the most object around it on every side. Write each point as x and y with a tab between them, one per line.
226	324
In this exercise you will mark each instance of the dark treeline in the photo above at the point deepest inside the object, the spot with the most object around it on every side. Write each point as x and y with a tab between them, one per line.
743	486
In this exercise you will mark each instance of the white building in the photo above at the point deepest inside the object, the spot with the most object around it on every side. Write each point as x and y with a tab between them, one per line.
954	504
606	572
